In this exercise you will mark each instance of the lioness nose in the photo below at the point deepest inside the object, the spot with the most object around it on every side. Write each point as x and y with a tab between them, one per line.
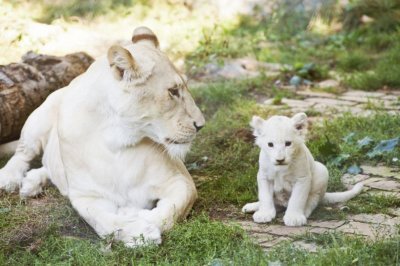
280	161
198	127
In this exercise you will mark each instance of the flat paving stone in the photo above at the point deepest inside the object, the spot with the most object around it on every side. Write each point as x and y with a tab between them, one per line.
332	224
320	230
349	180
364	94
262	237
372	180
370	218
307	246
308	93
329	102
274	242
354	99
381	171
394	211
297	103
282	230
389	185
252	226
372	231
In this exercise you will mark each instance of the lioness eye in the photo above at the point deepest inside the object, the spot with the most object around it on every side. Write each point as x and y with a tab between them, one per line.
270	144
173	92
288	143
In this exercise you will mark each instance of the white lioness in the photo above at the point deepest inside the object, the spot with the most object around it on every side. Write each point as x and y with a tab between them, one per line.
288	175
113	142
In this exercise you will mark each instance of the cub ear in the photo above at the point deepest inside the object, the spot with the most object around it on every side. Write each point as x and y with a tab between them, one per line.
121	61
256	124
300	123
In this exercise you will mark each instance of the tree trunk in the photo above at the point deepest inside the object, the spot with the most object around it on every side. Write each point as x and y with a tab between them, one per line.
24	86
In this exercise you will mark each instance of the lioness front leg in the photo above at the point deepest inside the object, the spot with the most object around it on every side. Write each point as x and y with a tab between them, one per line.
295	212
102	215
34	136
266	211
175	201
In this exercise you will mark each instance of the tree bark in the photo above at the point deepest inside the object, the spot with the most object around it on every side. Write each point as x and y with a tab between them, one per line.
24	86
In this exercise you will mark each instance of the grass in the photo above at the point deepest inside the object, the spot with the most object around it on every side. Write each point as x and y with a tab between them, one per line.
340	137
224	164
364	59
224	159
198	241
340	249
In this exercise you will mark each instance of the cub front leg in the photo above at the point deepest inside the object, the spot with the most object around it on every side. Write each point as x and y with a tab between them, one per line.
266	209
295	212
176	198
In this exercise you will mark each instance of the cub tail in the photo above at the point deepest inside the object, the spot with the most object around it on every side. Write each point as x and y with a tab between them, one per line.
336	197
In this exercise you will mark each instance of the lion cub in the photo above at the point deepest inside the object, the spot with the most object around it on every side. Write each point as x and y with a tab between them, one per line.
288	175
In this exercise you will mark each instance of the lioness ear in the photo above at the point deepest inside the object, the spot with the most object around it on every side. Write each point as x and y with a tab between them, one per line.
300	123
256	124
145	35
121	60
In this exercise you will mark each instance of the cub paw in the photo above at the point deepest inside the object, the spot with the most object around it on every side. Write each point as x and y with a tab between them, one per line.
264	216
251	207
294	219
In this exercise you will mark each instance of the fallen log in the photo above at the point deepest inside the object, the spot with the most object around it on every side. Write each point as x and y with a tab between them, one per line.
24	86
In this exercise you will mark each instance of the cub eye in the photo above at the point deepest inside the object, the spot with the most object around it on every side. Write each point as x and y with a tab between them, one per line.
270	144
288	143
173	92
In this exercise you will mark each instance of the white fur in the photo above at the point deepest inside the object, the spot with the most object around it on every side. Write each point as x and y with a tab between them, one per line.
114	147
288	175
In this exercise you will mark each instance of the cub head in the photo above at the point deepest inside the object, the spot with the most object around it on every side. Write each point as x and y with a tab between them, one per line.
280	136
153	99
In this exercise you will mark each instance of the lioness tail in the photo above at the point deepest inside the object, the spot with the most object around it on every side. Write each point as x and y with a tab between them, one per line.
336	197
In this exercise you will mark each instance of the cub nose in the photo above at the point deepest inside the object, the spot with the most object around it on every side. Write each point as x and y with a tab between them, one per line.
198	127
280	161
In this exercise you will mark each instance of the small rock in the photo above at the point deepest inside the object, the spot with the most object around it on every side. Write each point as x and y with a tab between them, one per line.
295	81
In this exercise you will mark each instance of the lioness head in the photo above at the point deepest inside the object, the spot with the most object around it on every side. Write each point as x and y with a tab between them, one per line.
280	136
156	99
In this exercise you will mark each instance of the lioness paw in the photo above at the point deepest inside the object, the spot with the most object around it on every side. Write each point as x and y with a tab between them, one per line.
9	181
140	233
264	216
294	219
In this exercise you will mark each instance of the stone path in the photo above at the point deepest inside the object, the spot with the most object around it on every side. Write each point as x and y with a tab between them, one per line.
377	179
328	104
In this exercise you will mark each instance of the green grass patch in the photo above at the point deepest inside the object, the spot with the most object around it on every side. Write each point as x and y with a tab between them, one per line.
340	249
337	141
